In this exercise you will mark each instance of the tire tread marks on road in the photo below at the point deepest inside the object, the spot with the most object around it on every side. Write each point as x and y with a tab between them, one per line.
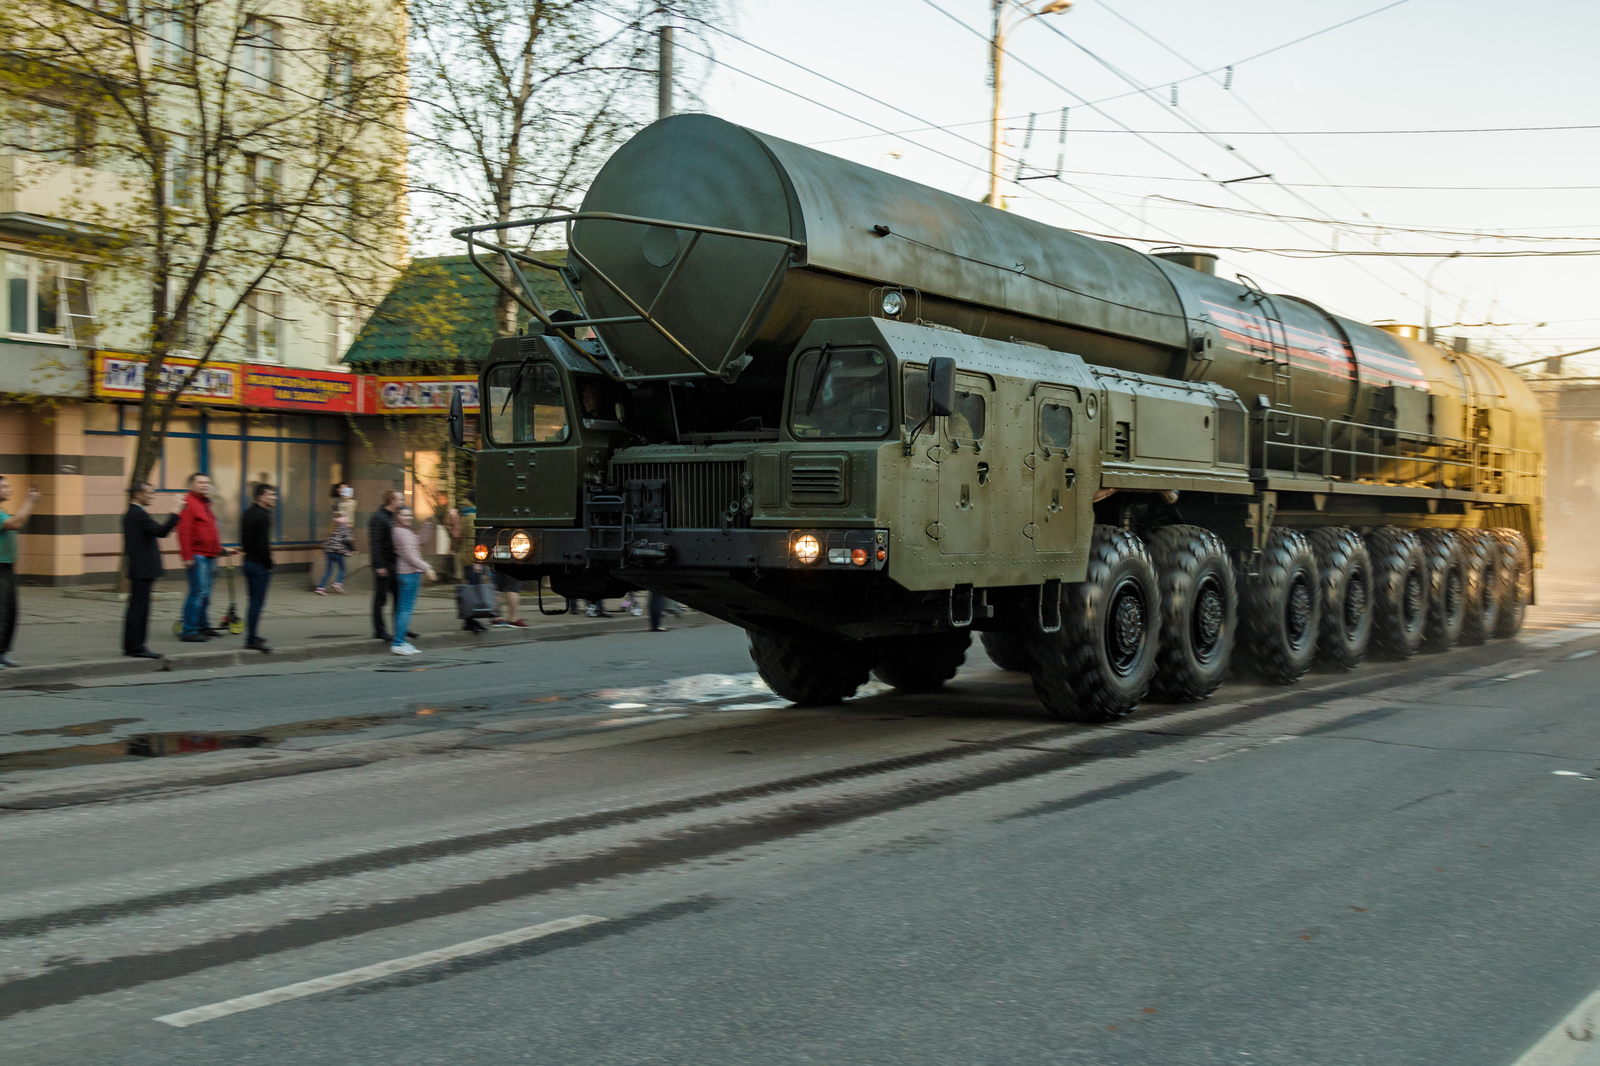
71	981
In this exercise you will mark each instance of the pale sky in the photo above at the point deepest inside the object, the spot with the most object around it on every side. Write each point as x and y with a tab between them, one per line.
1422	65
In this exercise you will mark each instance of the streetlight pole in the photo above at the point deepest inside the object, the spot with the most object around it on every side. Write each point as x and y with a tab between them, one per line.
997	53
1427	298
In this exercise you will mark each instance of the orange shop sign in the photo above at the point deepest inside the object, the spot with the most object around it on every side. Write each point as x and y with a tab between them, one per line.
424	395
121	377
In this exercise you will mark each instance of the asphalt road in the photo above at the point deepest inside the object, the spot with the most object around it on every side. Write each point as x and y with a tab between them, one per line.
1395	865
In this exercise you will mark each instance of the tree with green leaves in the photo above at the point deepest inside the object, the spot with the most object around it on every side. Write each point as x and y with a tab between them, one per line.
518	102
228	160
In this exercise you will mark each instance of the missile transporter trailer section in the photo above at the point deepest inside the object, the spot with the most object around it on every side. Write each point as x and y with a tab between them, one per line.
864	419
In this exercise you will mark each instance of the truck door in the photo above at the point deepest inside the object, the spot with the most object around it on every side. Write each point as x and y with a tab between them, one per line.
1057	423
966	470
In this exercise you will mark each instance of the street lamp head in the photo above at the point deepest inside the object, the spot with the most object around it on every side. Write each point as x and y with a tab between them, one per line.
1055	7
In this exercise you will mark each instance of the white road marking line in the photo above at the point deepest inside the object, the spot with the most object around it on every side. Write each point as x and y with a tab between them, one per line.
1571	773
1572	1040
186	1018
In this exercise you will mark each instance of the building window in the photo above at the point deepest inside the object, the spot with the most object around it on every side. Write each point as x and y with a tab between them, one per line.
48	299
171	35
261	47
341	77
180	172
263	326
264	187
339	332
41	129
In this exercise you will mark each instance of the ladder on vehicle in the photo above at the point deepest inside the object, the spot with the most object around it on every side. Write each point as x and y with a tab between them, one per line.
1276	348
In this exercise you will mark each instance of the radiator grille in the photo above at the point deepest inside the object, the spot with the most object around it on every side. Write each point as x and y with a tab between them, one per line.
698	493
816	484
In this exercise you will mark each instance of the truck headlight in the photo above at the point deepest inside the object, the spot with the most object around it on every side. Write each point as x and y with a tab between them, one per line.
480	552
521	545
807	549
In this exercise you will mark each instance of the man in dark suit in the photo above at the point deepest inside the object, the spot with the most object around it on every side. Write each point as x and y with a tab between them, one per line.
140	534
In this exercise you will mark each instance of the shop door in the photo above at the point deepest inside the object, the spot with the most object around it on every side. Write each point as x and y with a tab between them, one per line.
1058	418
965	482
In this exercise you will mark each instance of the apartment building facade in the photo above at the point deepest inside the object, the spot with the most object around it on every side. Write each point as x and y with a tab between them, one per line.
303	239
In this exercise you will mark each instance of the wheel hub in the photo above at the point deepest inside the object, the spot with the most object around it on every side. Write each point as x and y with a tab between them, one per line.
1209	614
1126	636
1298	615
1355	602
1414	598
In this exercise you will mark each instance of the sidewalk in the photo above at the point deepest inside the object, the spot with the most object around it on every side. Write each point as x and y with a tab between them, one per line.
65	634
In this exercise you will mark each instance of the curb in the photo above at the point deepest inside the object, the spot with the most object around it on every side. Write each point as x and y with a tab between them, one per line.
29	676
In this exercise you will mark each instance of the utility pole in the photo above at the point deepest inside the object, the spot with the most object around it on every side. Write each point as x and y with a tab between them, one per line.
997	52
664	78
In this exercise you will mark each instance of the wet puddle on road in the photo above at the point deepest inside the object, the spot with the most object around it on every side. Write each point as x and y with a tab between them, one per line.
158	745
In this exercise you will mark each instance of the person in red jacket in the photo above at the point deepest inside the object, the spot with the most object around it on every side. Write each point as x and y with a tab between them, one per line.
199	543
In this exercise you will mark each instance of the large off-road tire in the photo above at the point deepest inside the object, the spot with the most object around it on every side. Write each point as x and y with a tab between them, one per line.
1485	572
1098	666
1199	605
1279	611
921	664
1516	591
1400	591
1344	578
810	668
1008	651
1447	588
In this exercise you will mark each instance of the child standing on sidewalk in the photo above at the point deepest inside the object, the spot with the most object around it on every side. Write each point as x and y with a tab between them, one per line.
340	543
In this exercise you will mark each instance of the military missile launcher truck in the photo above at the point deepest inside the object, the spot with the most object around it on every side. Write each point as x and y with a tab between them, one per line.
864	419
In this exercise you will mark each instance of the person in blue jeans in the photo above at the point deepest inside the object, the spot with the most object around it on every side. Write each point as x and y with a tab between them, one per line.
409	567
199	544
255	536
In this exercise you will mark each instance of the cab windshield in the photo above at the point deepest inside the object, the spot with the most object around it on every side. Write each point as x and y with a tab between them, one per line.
840	393
526	404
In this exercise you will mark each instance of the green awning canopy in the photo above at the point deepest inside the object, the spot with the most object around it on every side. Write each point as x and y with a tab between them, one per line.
441	311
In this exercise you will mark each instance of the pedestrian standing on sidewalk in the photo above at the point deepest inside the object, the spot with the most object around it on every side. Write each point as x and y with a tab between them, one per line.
9	524
340	543
255	535
199	544
380	546
409	566
140	537
511	589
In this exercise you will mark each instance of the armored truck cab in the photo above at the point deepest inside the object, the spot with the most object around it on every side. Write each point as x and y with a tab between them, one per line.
864	419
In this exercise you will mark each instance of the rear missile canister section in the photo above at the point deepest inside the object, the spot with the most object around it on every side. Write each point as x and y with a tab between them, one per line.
865	419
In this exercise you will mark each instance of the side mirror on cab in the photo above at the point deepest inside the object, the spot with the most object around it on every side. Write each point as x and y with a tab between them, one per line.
458	420
941	385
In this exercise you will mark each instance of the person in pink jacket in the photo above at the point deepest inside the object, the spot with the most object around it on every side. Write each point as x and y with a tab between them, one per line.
409	568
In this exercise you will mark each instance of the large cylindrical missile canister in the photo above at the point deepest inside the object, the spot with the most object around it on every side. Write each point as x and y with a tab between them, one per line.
980	270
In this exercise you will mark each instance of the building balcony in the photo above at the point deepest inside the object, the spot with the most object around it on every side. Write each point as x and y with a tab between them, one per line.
45	198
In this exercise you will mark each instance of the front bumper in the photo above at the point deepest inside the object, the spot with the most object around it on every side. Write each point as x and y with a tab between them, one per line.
838	550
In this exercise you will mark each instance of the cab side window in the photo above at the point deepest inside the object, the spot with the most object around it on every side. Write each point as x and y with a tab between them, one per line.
1055	426
914	396
967	421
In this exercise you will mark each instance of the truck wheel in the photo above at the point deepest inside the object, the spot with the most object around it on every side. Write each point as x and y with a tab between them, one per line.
1400	591
1279	610
1344	576
810	669
1484	571
1517	588
1447	588
921	664
1009	651
1098	666
1199	603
